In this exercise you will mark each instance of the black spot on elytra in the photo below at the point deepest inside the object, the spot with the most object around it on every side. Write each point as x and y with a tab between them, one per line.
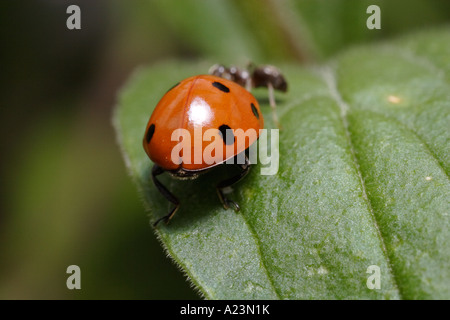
173	87
221	87
254	110
226	134
150	132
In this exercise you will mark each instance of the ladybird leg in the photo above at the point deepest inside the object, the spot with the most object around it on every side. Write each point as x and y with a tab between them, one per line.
228	182
273	104
157	170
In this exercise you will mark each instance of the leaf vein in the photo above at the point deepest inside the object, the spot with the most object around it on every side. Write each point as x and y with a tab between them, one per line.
331	82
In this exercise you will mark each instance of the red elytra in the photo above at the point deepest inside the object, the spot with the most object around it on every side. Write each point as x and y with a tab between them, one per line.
197	104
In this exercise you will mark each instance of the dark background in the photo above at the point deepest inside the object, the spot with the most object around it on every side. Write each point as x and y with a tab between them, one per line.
65	195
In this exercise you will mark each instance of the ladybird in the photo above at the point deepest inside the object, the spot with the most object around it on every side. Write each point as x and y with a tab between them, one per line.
219	103
199	103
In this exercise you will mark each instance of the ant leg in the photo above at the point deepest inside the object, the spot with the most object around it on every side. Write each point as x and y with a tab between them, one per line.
228	182
273	105
248	84
157	170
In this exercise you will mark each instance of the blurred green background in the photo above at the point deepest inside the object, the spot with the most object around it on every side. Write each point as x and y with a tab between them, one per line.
66	197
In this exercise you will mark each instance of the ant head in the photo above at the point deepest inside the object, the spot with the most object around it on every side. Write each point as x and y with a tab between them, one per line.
265	74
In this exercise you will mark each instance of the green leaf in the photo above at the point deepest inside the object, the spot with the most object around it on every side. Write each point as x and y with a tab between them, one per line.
363	180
